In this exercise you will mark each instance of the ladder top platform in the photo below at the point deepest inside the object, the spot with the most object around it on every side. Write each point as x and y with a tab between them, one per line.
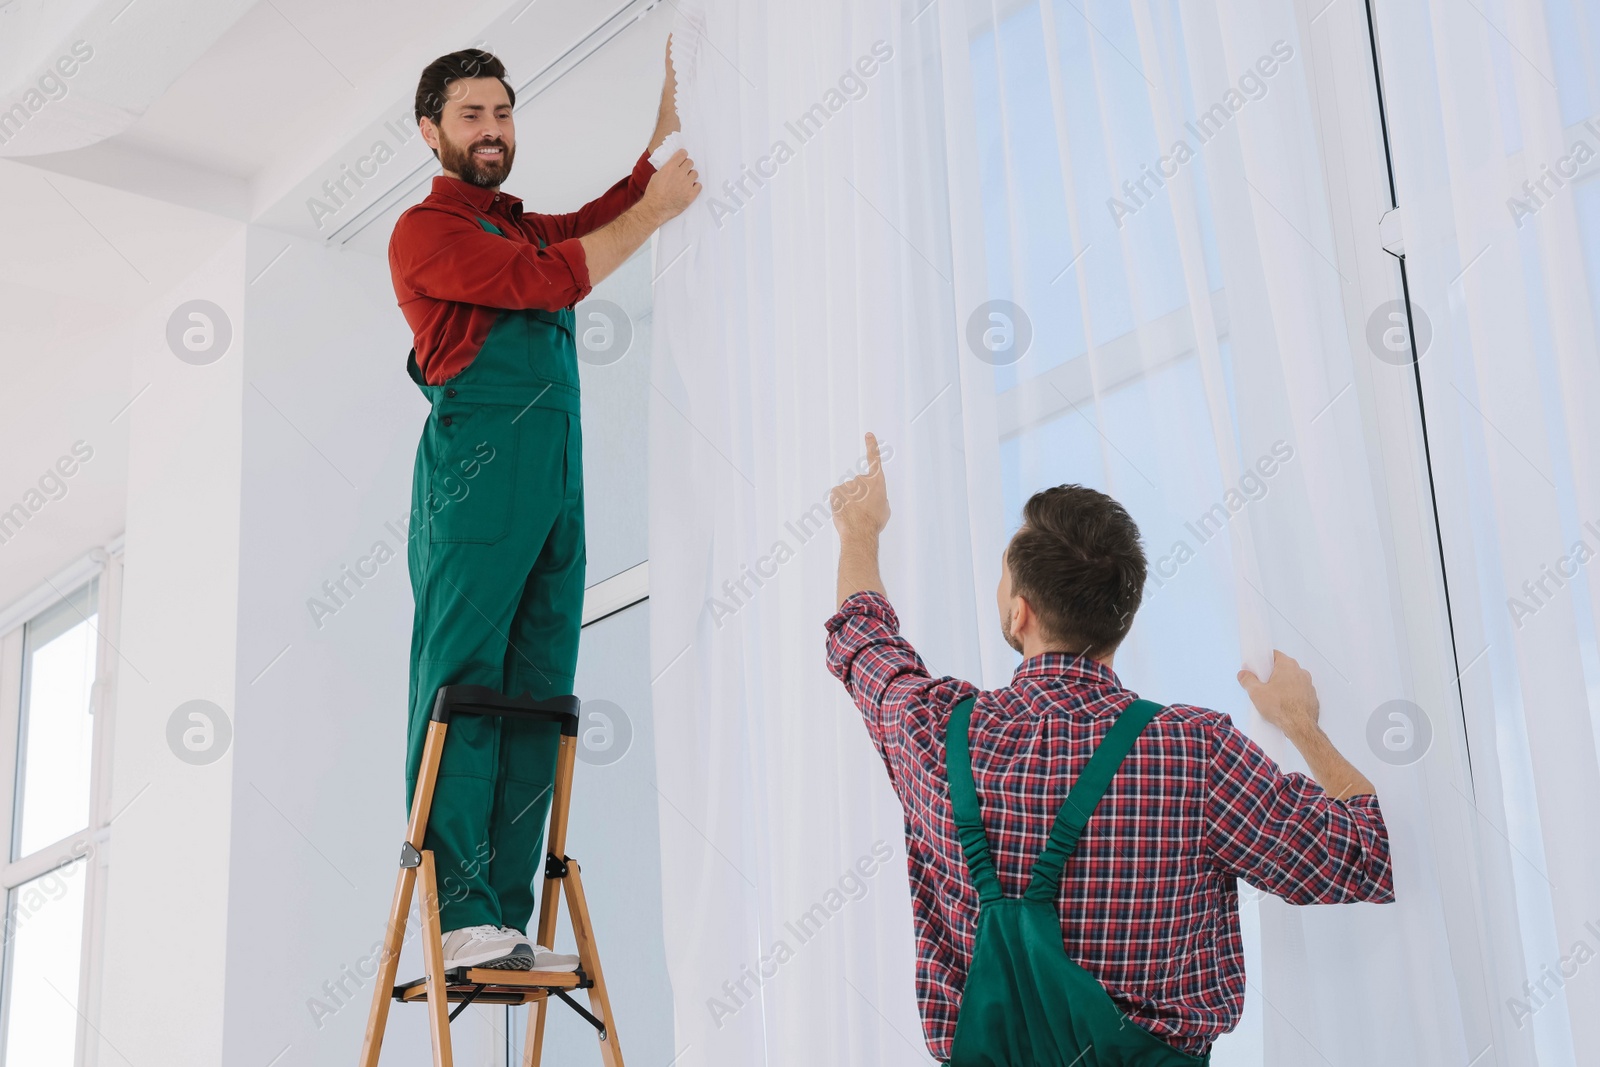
481	700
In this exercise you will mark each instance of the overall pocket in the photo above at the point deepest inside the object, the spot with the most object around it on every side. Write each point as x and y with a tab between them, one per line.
470	487
552	354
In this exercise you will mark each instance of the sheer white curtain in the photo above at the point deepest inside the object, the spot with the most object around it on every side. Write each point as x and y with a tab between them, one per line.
790	318
971	228
1495	113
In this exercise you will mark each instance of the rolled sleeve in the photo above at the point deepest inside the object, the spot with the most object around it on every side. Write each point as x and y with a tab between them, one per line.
570	253
562	232
443	256
900	702
1283	834
867	654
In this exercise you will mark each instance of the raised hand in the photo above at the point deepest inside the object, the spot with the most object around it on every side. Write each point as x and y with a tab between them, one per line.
861	505
673	187
1287	699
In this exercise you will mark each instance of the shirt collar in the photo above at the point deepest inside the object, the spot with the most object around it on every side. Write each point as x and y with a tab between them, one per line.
1079	669
475	196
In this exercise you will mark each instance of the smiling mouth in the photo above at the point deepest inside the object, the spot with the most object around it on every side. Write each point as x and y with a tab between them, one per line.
489	152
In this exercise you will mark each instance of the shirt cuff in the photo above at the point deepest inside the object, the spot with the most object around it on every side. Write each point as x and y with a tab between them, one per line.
1364	806
865	602
642	170
571	253
1364	810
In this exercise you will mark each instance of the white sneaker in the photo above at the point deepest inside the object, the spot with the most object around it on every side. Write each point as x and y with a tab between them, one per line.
543	958
487	946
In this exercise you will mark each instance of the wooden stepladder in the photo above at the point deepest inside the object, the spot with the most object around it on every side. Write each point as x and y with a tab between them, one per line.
438	988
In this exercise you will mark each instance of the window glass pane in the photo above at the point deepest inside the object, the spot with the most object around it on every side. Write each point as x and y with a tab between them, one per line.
54	742
44	918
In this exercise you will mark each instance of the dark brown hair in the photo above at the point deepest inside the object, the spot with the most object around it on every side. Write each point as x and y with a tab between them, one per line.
433	90
1078	561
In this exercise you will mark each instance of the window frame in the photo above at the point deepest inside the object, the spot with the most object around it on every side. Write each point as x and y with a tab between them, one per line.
104	563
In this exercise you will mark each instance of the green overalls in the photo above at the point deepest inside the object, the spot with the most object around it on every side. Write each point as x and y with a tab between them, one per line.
1026	1003
496	554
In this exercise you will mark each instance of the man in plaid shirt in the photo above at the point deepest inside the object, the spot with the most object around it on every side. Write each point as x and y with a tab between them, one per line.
1149	901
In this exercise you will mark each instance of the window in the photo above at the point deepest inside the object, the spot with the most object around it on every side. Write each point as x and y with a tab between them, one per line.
54	670
55	733
1155	215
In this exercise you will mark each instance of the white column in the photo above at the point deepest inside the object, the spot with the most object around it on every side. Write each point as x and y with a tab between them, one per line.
167	855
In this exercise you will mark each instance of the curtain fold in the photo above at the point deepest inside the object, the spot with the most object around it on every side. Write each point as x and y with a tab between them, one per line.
799	311
1494	118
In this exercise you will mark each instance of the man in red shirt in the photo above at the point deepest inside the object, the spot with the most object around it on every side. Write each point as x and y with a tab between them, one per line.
1148	899
496	548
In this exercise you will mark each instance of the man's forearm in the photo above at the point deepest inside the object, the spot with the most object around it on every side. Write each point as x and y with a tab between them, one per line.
858	565
609	247
1336	775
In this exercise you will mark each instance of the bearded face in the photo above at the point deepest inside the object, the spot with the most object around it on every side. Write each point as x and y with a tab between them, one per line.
476	132
485	162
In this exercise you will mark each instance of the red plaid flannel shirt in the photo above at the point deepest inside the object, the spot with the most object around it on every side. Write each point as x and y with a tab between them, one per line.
1149	901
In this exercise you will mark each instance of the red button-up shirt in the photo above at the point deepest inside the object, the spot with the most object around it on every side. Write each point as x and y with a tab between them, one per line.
1149	901
452	277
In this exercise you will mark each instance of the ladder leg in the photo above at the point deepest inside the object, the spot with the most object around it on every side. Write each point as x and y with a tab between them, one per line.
589	957
433	958
388	963
560	805
550	898
549	901
548	904
394	931
533	1047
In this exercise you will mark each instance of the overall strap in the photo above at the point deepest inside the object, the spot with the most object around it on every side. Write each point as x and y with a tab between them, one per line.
964	801
1085	795
492	228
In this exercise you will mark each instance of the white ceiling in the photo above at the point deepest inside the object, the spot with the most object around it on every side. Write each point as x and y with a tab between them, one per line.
232	134
287	69
85	70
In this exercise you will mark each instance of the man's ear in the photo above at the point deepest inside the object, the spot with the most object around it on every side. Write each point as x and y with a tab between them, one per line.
1022	613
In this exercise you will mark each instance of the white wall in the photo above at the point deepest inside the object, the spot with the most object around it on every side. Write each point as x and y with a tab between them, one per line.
330	423
85	278
166	918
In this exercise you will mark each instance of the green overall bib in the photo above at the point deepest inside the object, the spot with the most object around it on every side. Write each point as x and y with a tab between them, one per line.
1026	1003
496	555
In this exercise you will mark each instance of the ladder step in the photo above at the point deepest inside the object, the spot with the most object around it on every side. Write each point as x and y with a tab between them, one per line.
486	996
497	986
